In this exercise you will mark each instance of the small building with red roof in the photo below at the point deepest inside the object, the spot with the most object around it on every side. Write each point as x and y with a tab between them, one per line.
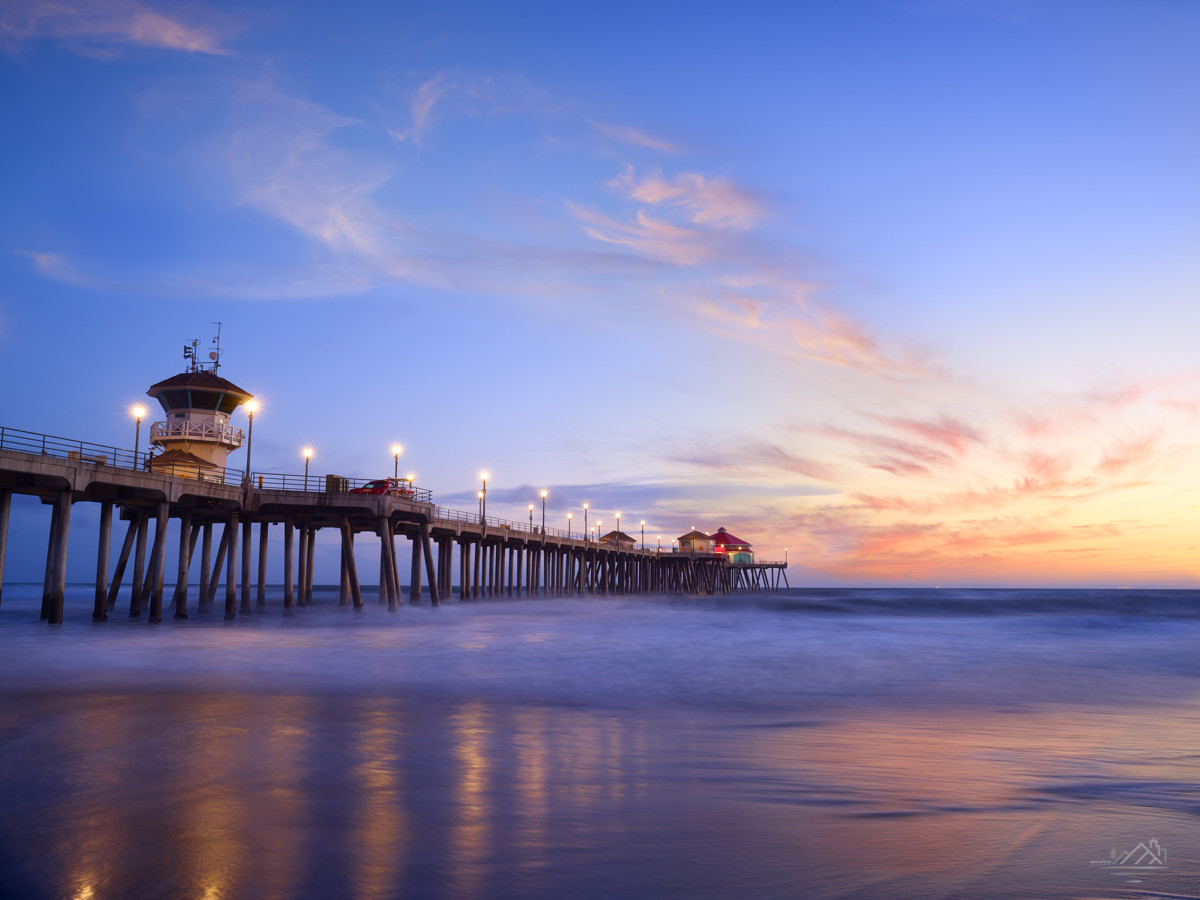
735	549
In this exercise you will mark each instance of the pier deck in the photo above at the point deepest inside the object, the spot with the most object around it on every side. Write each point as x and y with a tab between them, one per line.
495	556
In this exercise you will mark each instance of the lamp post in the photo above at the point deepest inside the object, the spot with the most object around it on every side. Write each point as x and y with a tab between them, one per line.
599	536
543	517
618	529
138	411
643	534
483	498
586	533
568	526
397	449
307	456
531	518
251	408
411	479
479	494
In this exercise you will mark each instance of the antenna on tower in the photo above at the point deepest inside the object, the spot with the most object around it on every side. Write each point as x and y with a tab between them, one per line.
190	354
215	355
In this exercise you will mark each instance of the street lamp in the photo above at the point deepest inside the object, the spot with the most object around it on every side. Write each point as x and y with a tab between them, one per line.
543	516
643	534
483	498
568	526
599	536
307	456
531	518
585	528
410	478
480	496
397	449
137	411
251	408
618	528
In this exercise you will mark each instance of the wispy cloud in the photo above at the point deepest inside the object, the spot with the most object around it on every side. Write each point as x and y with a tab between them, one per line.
634	136
100	26
473	94
54	266
428	95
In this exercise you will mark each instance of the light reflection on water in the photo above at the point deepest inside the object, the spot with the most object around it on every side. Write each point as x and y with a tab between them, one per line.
630	750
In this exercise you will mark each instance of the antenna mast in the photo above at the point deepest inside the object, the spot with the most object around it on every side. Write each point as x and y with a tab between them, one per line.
215	355
192	354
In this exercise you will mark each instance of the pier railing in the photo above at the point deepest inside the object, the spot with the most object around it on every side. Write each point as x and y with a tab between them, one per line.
67	448
115	457
325	484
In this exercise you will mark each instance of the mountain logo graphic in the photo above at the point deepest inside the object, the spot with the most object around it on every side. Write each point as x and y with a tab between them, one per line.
1145	857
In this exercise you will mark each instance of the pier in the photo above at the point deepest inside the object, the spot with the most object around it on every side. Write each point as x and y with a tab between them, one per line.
495	557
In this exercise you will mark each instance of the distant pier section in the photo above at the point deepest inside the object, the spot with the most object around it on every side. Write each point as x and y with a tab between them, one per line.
187	479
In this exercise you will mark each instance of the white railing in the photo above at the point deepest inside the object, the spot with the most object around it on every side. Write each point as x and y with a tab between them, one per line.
183	429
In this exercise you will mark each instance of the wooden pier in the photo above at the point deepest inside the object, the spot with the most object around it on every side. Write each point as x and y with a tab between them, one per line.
495	557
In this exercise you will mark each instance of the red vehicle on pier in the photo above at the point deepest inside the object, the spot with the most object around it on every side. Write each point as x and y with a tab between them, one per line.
396	487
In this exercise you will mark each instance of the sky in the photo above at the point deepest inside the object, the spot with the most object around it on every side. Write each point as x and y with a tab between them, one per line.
906	287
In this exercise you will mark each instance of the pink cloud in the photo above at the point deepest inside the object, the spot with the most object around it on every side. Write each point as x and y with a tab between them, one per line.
650	237
93	24
713	202
947	431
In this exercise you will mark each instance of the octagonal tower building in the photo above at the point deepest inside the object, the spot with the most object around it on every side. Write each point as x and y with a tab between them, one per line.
196	438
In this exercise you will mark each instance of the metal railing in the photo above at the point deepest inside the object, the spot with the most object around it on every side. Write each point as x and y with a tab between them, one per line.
183	429
326	484
114	457
68	448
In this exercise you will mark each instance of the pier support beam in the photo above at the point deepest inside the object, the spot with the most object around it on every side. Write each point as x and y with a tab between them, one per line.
344	594
464	568
205	566
351	568
187	541
48	577
122	561
247	540
139	565
414	589
231	529
309	558
100	605
302	554
5	509
430	572
159	561
58	587
213	580
260	601
289	567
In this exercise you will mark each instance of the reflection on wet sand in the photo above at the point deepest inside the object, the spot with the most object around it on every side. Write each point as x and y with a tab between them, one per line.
266	795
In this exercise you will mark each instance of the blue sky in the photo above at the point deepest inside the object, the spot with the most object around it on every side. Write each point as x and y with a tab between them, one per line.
906	286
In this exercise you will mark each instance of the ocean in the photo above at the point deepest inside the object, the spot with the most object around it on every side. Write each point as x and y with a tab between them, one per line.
796	744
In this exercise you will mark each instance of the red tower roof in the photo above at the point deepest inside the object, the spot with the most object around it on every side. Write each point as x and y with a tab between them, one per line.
723	538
